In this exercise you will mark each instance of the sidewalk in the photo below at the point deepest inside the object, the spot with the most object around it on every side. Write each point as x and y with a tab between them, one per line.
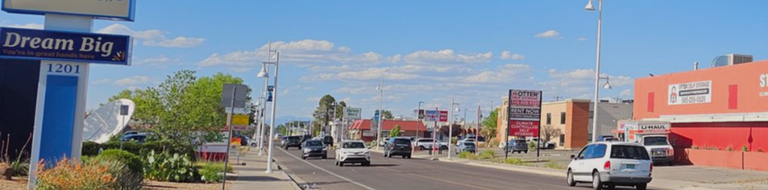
252	175
674	177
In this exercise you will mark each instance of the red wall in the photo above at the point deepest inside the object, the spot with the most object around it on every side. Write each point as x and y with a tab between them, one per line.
754	135
741	80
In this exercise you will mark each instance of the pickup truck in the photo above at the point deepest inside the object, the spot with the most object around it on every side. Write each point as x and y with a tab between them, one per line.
426	144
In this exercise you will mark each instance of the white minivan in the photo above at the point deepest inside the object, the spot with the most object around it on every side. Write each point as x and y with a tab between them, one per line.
611	164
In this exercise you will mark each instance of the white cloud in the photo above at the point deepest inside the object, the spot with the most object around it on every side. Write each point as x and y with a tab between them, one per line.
552	34
626	93
367	74
101	81
509	55
27	26
581	39
503	74
579	83
446	56
160	61
153	37
133	81
313	99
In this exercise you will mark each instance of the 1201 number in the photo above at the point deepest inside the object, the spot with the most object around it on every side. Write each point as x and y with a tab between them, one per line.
63	68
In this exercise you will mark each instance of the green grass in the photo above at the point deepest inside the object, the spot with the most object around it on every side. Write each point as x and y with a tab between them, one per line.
487	155
554	165
467	155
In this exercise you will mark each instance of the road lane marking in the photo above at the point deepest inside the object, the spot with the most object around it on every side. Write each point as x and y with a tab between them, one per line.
329	172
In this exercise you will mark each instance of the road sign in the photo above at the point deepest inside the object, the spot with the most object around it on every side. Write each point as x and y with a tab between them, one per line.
352	113
432	115
443	116
524	113
240	95
239	122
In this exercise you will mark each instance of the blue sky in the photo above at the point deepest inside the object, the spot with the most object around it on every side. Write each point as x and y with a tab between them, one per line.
428	51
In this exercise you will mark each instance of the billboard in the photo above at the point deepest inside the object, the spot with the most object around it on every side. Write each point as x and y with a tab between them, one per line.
352	113
102	9
690	93
20	43
524	113
435	115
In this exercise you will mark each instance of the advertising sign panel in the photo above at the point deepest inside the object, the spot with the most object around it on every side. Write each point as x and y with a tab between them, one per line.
367	133
690	93
432	115
524	113
101	9
443	116
352	113
65	46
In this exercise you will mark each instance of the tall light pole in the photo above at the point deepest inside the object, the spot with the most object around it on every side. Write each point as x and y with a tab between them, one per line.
264	74
450	126
381	112
591	7
264	94
260	118
418	118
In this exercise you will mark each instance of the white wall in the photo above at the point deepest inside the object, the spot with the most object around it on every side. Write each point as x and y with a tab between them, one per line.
609	115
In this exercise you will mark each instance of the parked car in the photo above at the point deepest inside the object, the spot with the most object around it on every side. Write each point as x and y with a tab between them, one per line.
467	146
518	145
138	138
611	164
292	141
328	140
353	151
314	148
544	145
607	138
383	142
426	144
243	139
398	146
305	138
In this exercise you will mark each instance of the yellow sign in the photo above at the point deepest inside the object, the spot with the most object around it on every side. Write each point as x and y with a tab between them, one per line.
239	120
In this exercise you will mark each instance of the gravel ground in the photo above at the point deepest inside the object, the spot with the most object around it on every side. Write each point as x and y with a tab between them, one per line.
16	183
157	185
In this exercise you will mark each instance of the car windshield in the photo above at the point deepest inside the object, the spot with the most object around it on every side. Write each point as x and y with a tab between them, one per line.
402	141
354	145
293	138
314	143
469	144
650	141
629	152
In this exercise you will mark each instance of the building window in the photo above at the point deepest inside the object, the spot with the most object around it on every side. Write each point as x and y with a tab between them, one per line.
562	139
562	117
549	118
733	97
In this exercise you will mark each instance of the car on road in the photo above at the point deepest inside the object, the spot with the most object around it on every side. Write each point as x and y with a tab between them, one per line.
398	146
611	164
328	140
518	145
607	138
383	142
426	144
467	146
292	141
314	148
353	151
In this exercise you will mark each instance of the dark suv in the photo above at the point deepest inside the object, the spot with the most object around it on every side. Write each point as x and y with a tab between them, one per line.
292	141
398	146
328	140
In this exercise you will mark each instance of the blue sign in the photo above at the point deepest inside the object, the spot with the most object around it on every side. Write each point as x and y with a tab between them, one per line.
269	96
432	115
16	43
270	88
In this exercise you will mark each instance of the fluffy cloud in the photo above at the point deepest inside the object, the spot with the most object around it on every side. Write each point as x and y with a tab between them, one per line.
101	81
579	83
551	34
503	74
158	61
153	37
446	56
581	39
367	74
509	55
133	81
626	93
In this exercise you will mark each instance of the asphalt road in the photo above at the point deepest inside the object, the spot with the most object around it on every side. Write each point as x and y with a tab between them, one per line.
411	174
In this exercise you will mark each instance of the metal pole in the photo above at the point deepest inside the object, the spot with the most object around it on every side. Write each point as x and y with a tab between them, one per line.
597	72
434	134
506	135
381	113
264	106
450	129
229	140
274	107
477	130
538	145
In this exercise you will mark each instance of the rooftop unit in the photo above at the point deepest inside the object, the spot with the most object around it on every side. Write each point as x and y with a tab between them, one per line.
731	59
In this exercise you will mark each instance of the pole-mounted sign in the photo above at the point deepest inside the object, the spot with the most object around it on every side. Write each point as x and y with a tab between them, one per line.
524	113
352	113
99	9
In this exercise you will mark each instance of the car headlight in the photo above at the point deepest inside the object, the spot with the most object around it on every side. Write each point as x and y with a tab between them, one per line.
325	148
671	152
307	149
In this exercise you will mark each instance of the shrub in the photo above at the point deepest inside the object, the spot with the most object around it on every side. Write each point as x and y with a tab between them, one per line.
20	168
494	142
759	150
531	145
694	147
130	160
454	140
125	178
373	143
166	167
554	165
744	148
73	175
92	148
487	154
729	148
467	155
714	148
513	161
211	171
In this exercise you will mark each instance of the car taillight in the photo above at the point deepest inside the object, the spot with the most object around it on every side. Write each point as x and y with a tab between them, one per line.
651	167
607	165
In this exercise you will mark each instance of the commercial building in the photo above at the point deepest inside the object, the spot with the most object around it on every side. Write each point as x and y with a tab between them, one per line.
362	129
572	120
718	107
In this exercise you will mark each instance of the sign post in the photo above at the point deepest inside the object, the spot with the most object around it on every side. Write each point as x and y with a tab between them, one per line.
232	96
65	48
524	115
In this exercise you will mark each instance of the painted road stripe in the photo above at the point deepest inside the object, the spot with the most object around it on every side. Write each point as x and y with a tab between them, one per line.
329	172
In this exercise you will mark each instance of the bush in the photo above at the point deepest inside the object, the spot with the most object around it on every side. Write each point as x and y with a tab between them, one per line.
373	143
125	178
210	172
467	155
744	148
92	148
487	154
166	167
694	147
531	145
130	160
729	148
74	175
513	161
454	140
759	150
20	168
494	142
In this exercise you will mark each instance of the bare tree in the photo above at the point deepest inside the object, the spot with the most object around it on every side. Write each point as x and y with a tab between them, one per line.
548	132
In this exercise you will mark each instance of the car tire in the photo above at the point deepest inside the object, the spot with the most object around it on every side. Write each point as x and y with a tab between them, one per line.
671	163
403	156
641	186
303	157
341	164
421	147
366	163
389	155
325	156
571	182
597	184
286	148
409	156
526	152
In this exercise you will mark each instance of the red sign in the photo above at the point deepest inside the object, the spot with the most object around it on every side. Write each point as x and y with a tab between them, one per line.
443	116
524	128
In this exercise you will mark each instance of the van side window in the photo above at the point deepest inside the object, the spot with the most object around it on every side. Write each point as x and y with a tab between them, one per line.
584	152
599	151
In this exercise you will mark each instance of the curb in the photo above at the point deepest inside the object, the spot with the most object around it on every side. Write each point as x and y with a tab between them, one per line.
295	183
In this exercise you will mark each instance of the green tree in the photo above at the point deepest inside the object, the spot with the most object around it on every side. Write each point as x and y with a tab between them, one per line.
395	132
489	124
324	113
386	114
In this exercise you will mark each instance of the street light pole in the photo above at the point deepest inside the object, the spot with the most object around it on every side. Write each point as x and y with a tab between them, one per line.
450	127
418	118
381	113
274	109
590	7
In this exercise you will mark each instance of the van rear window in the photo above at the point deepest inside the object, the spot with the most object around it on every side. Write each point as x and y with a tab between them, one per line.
402	141
629	152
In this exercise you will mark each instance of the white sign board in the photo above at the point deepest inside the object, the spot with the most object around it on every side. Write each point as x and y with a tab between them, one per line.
367	133
102	9
690	93
352	113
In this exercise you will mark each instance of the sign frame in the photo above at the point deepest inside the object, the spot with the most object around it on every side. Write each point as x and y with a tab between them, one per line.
530	105
130	17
